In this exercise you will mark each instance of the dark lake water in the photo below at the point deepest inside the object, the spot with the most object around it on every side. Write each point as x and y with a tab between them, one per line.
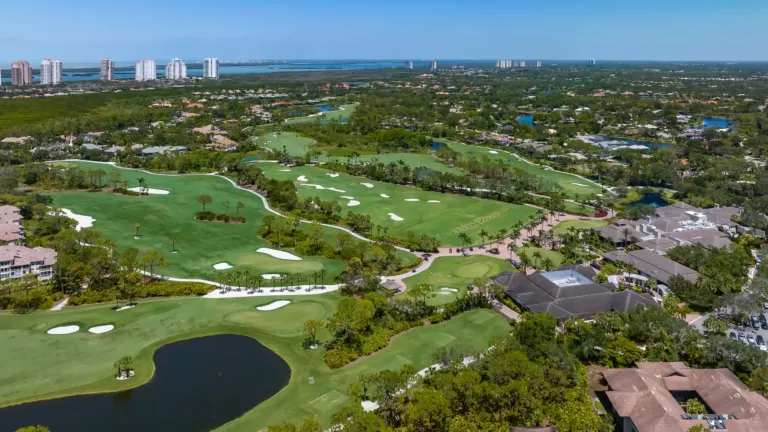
651	199
199	384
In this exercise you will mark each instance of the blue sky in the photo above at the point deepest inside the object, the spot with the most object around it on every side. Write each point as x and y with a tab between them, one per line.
87	30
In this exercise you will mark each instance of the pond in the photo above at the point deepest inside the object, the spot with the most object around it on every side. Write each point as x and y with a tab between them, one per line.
322	108
650	199
199	385
716	122
526	119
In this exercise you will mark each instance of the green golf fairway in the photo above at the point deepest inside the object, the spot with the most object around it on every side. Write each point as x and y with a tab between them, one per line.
413	160
200	244
294	144
456	272
40	366
344	112
563	226
576	187
451	215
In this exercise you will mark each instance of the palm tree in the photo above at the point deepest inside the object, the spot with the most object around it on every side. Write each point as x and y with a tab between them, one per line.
525	261
142	184
626	232
548	264
173	244
137	226
511	248
483	234
536	258
323	272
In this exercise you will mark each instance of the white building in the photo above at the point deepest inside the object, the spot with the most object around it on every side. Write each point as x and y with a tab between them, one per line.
409	64
50	72
538	63
433	65
146	70
176	70
522	63
211	68
18	261
107	72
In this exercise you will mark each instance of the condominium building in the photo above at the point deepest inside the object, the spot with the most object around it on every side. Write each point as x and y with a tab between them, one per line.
176	70
211	68
50	72
592	62
522	63
21	73
19	261
146	70
107	70
433	65
504	64
409	64
11	230
538	63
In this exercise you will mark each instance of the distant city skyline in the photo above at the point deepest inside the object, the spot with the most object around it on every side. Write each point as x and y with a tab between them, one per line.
682	30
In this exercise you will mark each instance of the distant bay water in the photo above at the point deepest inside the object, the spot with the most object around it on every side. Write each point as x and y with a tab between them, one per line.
79	71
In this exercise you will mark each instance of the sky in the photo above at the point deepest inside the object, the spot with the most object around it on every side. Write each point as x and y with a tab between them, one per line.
87	30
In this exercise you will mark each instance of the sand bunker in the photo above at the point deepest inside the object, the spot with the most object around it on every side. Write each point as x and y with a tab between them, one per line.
285	170
274	305
83	221
347	197
433	201
101	329
384	195
271	276
395	217
222	266
125	307
63	330
302	178
412	199
579	184
368	185
449	289
333	174
279	254
353	203
320	187
493	152
149	191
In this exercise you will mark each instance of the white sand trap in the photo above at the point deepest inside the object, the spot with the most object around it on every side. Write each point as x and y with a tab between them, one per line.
353	203
101	329
149	191
279	254
222	266
384	195
395	217
493	152
321	187
579	184
285	170
368	185
347	197
302	178
333	174
449	289
412	199
125	307
271	276
274	305
433	201
83	221
64	330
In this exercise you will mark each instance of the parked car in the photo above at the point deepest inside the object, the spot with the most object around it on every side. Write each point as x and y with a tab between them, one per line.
755	322
732	335
742	337
763	322
765	305
760	341
751	340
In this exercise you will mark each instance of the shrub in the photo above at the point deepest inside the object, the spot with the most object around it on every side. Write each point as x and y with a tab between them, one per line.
152	289
377	340
338	357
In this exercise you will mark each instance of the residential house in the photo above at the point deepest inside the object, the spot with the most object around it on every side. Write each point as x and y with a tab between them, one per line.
18	261
153	151
11	229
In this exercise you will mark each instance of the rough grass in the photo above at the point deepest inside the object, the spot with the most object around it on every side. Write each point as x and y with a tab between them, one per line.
563	226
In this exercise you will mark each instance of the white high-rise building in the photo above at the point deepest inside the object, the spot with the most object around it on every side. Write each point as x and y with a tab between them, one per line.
50	72
176	70
433	65
146	70
538	63
210	68
522	63
107	72
409	64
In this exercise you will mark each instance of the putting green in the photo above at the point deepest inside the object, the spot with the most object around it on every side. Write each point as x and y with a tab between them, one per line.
294	144
446	216
576	187
200	244
455	272
82	362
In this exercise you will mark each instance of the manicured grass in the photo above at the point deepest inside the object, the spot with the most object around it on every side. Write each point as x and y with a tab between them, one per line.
294	144
570	183
413	160
556	257
456	272
345	112
200	244
563	226
454	214
41	366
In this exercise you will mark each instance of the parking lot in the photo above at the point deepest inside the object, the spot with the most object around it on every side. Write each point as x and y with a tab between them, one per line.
747	331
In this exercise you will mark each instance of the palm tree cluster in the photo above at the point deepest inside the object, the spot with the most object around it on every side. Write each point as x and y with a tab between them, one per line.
239	281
